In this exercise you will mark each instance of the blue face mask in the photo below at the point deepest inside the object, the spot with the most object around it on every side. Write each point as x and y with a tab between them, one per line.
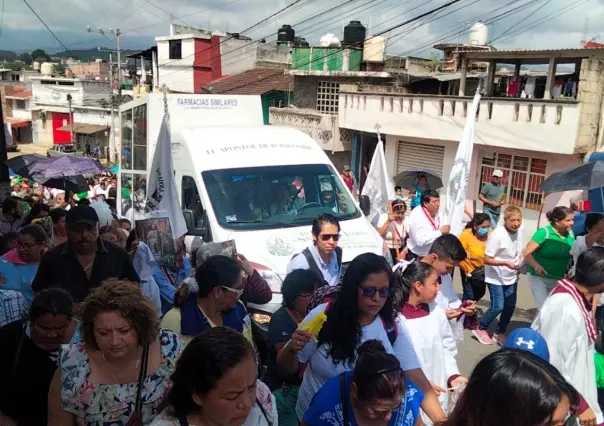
482	231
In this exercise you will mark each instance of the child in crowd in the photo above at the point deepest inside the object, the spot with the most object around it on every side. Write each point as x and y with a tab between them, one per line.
429	328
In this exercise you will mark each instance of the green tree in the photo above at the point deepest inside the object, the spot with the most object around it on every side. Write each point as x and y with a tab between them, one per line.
15	66
40	55
25	58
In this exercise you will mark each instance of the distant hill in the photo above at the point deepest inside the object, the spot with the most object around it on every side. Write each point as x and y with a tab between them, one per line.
88	55
7	55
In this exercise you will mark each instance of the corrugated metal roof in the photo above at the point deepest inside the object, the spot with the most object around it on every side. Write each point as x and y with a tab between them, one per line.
256	81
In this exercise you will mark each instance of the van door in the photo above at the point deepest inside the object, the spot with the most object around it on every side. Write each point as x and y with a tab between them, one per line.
190	201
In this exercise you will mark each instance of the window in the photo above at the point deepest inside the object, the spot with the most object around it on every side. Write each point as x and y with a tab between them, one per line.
274	197
522	177
19	104
191	199
175	49
139	141
328	93
133	195
126	134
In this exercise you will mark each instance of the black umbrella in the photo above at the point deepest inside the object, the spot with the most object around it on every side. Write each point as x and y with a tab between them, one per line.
22	164
75	184
587	176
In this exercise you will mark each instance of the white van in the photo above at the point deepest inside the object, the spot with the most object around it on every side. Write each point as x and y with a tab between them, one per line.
259	185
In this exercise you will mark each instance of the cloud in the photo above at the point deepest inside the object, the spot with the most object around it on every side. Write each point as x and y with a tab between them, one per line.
142	20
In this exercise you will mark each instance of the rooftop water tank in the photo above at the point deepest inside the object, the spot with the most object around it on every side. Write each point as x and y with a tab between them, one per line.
374	49
36	66
354	33
479	34
330	40
286	34
47	68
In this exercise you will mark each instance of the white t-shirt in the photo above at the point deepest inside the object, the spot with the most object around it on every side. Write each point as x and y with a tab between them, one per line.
321	366
505	247
579	247
423	230
392	231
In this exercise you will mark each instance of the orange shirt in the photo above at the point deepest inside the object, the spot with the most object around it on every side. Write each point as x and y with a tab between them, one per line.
475	250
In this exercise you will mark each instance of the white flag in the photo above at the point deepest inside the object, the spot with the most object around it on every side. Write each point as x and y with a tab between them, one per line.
378	186
457	186
162	194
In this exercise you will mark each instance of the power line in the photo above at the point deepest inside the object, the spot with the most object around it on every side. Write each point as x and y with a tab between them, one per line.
520	21
548	18
408	21
104	12
166	12
47	27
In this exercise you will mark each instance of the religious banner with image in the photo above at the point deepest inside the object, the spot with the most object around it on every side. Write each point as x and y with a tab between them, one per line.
156	232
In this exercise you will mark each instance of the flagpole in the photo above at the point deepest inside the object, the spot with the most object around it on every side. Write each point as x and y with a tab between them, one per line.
389	203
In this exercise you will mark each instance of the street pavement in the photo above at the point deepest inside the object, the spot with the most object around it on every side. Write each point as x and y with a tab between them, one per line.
469	351
28	148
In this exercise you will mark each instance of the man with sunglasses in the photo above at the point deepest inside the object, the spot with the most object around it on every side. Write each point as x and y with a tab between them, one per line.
323	257
214	303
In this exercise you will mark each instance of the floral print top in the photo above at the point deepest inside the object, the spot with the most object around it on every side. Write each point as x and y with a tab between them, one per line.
112	405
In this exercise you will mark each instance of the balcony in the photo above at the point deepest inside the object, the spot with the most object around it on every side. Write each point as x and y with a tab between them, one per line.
528	124
323	128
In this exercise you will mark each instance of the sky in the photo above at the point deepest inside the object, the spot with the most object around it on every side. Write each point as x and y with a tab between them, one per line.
528	24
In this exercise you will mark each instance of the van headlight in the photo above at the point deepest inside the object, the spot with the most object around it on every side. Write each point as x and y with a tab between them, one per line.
270	276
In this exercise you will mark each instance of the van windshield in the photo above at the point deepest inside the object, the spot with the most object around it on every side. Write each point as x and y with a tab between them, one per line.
277	196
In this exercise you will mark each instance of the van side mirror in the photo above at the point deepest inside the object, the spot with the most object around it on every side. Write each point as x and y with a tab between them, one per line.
365	205
197	229
189	220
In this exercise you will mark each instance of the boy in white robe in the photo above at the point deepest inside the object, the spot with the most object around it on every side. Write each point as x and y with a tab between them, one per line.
429	329
569	328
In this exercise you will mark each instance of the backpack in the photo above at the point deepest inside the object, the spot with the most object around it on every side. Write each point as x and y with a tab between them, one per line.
312	265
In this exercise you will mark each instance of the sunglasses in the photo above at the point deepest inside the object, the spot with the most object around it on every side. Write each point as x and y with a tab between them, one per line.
327	237
236	291
371	291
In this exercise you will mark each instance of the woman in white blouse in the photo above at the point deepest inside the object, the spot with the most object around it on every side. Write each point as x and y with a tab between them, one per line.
392	228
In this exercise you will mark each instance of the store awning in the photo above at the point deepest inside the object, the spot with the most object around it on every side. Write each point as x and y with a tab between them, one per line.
84	128
17	122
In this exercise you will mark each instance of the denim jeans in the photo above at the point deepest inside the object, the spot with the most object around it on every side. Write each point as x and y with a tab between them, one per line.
503	301
493	218
472	289
541	287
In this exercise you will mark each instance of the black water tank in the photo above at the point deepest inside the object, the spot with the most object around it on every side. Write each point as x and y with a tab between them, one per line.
286	34
354	33
301	42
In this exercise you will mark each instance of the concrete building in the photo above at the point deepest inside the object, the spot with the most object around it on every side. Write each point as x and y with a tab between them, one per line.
91	113
527	138
91	70
17	112
189	58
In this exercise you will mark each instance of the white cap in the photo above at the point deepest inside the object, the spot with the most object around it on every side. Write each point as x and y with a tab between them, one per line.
497	173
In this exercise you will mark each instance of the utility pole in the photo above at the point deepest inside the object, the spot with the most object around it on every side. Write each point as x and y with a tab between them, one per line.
119	59
113	150
70	118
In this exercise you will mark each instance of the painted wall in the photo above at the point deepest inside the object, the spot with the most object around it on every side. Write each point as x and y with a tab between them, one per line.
59	120
553	129
237	56
24	113
176	74
532	218
55	91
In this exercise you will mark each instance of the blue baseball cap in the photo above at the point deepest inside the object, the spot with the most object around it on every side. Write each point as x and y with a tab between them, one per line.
528	340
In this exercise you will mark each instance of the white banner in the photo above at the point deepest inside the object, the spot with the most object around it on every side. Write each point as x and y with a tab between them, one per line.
378	186
457	186
162	195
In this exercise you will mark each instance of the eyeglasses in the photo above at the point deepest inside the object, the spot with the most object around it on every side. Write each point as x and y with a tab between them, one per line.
327	237
371	291
236	291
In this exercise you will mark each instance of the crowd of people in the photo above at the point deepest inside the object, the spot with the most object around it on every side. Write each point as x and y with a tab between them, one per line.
93	331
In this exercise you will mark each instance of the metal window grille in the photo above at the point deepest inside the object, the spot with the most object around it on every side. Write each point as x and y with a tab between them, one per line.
328	93
522	177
